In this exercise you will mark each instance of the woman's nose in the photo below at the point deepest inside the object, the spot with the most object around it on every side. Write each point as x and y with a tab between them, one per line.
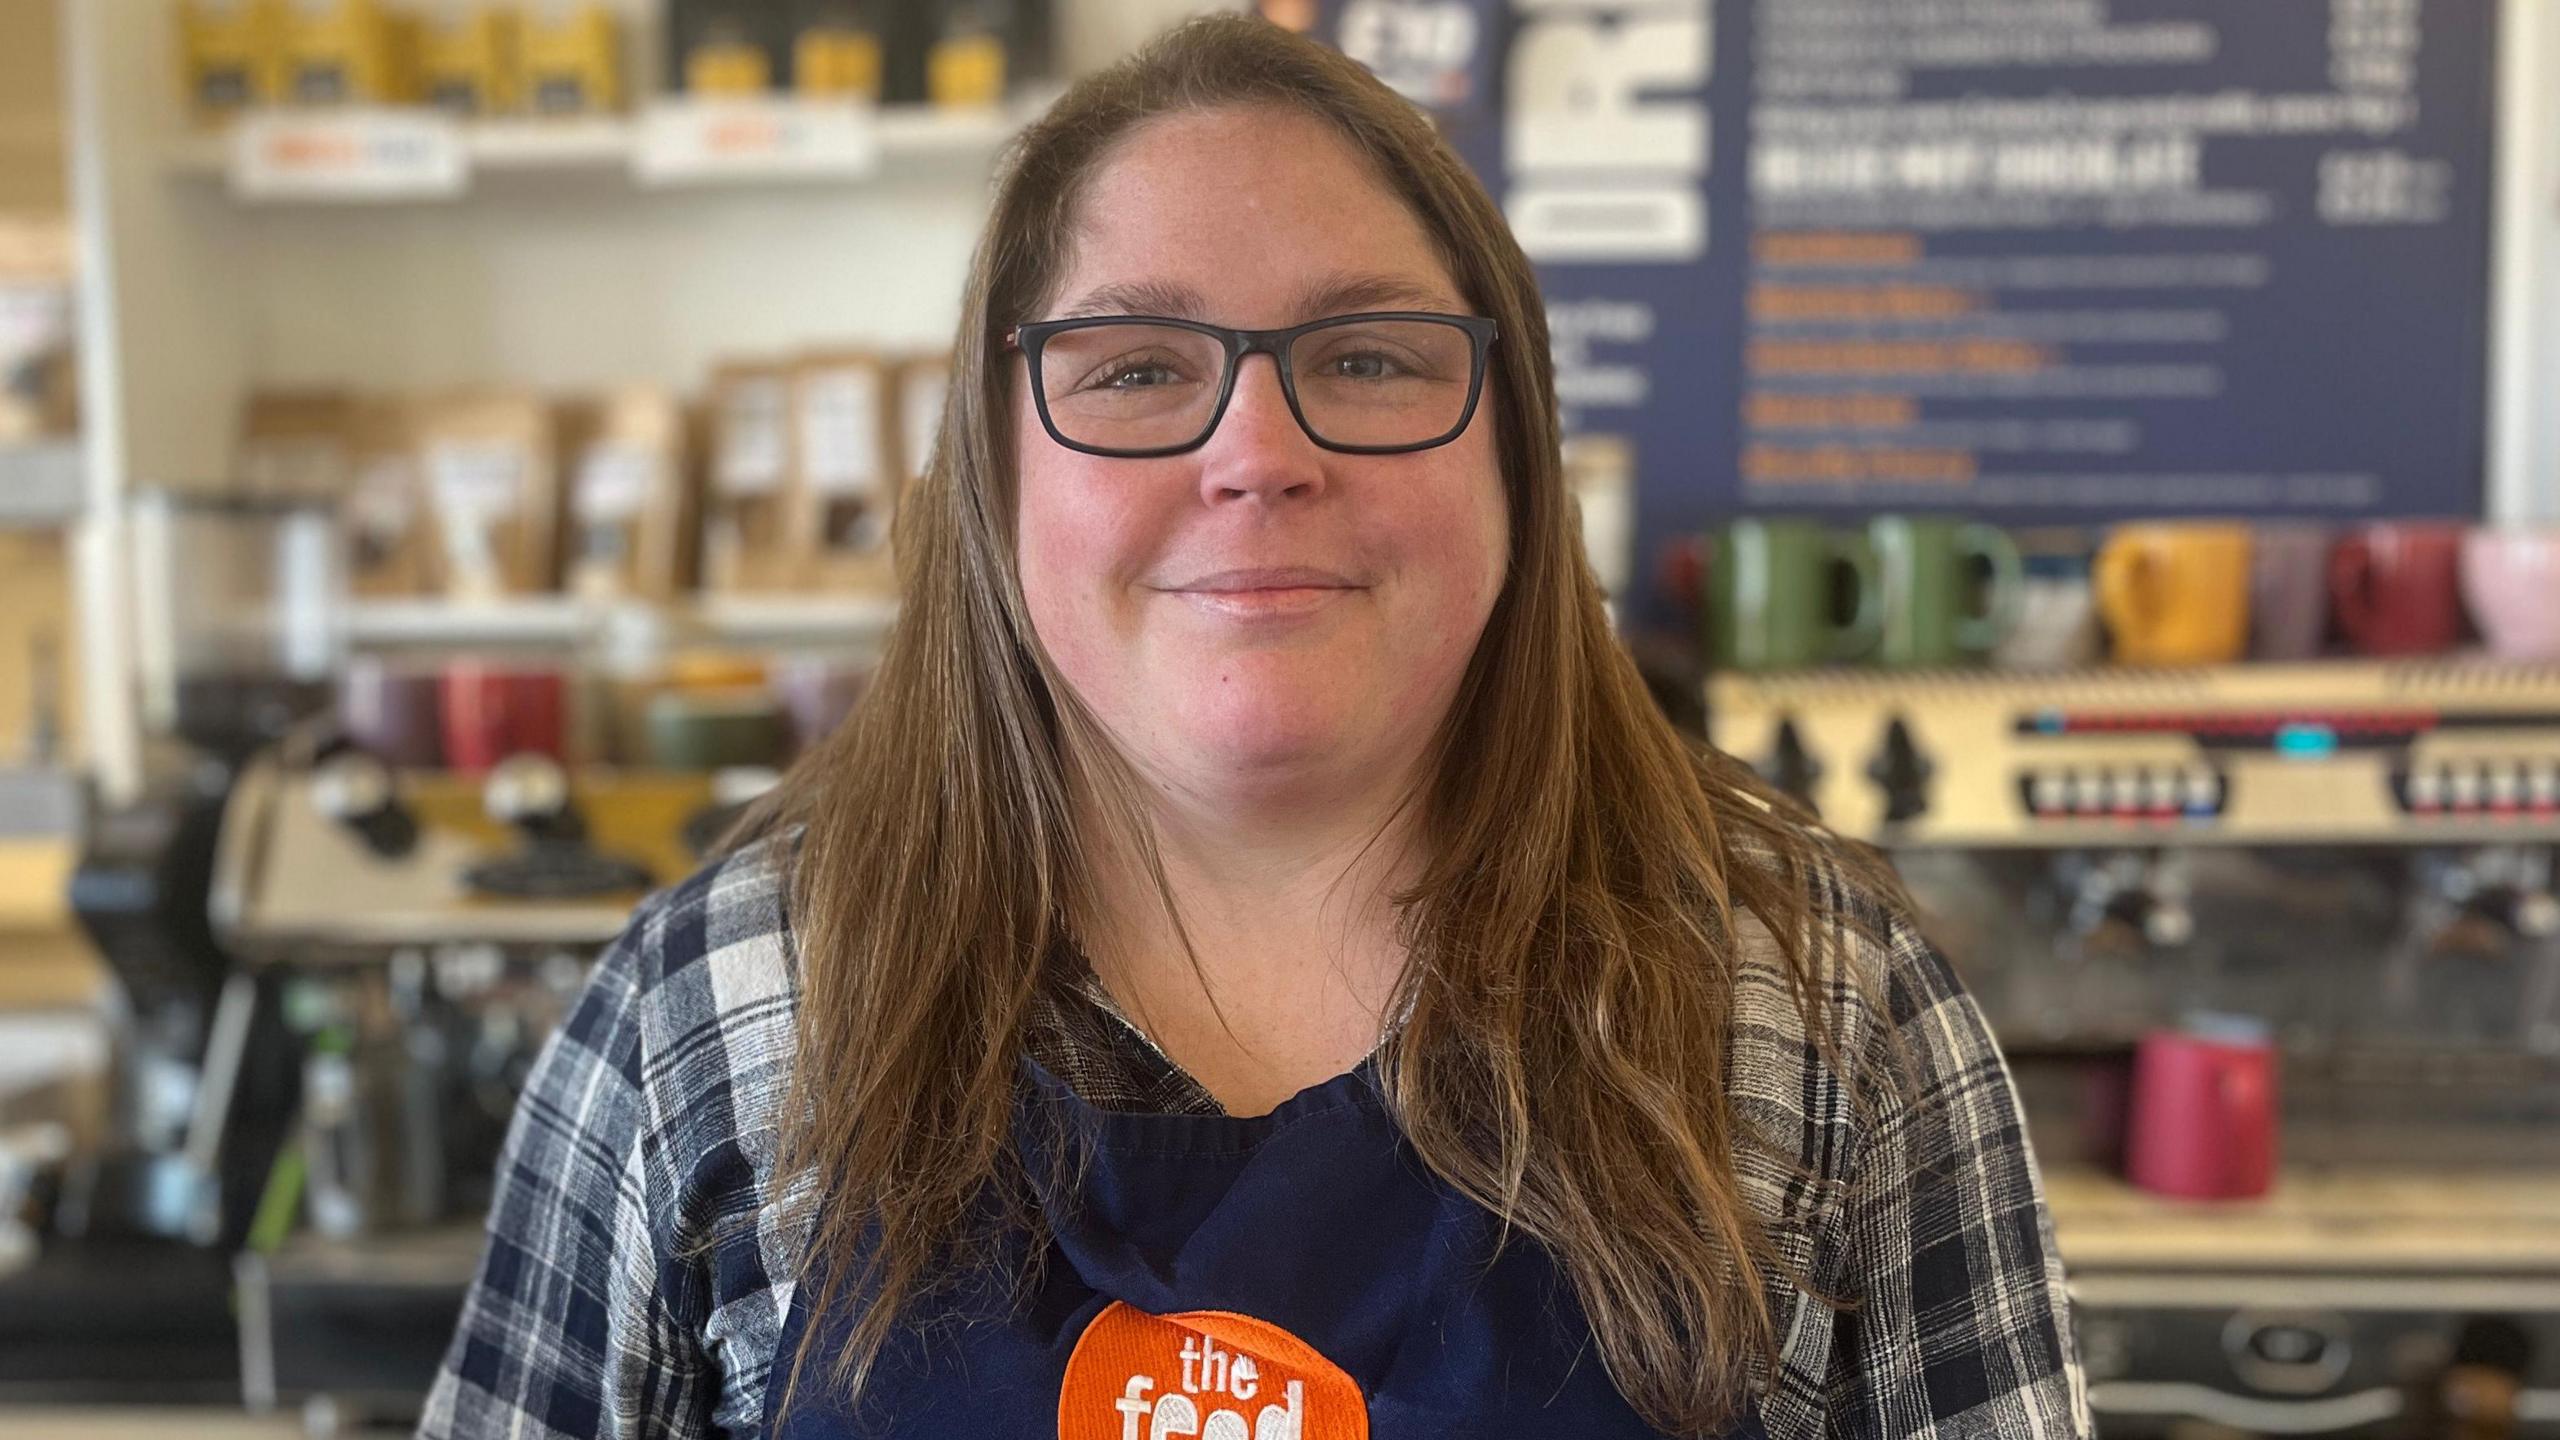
1258	449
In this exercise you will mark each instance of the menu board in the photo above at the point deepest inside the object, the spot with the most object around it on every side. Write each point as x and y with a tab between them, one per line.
2034	260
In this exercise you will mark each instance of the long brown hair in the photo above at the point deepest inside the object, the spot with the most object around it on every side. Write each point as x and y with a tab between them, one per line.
1572	939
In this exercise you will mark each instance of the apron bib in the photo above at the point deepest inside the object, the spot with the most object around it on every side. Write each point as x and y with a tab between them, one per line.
1292	1276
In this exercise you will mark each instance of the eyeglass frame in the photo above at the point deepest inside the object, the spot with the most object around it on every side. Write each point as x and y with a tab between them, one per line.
1032	336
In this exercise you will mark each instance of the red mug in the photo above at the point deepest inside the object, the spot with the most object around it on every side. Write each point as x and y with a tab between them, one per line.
2397	589
491	712
2203	1114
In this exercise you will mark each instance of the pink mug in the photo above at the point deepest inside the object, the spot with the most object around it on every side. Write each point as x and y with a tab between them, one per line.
2204	1112
2512	580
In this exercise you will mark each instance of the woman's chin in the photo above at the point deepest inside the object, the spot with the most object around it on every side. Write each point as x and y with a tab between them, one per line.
1273	736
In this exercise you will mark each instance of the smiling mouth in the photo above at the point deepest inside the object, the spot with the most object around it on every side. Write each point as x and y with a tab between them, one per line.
1263	595
1262	580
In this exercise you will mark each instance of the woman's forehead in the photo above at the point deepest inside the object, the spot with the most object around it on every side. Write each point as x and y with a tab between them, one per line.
1201	215
1336	293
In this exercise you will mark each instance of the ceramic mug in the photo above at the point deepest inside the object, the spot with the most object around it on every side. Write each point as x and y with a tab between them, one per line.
2176	593
2398	589
2205	1112
1952	588
2288	591
2057	616
1772	590
2512	579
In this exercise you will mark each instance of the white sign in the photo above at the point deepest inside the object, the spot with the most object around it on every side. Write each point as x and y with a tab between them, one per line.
756	138
349	155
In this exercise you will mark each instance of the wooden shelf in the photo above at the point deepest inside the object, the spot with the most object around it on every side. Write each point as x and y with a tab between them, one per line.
907	138
560	622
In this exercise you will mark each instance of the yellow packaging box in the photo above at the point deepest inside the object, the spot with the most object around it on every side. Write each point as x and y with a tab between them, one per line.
838	62
571	62
471	63
351	52
232	54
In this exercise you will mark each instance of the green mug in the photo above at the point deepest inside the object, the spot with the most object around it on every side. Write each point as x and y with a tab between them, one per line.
1952	588
1774	591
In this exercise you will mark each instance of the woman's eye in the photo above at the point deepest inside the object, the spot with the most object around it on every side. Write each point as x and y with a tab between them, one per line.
1363	365
1131	375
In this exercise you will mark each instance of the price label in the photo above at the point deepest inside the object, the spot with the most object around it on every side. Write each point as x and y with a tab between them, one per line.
615	482
840	431
755	441
477	483
349	155
706	141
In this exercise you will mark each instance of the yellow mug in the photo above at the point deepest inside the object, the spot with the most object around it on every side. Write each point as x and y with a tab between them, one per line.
2176	594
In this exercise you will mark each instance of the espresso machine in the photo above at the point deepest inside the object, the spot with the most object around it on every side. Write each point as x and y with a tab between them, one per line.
2357	860
430	929
129	1296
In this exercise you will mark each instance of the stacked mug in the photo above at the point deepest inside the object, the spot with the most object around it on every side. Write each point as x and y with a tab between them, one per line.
2209	592
1910	592
1906	592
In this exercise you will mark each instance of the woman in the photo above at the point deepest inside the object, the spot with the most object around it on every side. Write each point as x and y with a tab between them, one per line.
1256	965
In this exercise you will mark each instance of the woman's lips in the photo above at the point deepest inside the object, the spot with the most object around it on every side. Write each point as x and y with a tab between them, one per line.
1274	603
1265	593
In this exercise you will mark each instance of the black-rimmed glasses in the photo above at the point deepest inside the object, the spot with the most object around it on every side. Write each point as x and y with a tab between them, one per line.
1139	386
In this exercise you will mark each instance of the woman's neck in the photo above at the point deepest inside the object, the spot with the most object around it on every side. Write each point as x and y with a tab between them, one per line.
1290	912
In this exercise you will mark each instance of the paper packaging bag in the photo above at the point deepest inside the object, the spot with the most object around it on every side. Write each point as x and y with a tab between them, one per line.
489	466
844	479
746	534
39	379
297	444
631	496
922	383
389	540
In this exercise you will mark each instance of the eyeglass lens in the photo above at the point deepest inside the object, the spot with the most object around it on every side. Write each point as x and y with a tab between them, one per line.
1363	383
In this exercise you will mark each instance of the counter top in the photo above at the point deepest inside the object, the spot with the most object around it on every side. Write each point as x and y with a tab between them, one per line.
2493	1222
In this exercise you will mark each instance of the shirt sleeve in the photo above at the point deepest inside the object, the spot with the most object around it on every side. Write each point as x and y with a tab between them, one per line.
573	1326
1961	1325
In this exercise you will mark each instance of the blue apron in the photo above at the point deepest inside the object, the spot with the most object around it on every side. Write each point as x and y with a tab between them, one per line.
1292	1276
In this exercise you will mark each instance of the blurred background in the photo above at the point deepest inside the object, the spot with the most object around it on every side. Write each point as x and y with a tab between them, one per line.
2106	452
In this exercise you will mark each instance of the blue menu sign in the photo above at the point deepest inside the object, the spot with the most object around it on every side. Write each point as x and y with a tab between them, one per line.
2034	260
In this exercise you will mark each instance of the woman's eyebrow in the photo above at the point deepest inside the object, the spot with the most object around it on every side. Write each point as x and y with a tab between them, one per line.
1346	294
1137	297
1331	295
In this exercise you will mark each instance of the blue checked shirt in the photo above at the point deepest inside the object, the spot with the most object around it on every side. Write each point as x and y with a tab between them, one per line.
640	1261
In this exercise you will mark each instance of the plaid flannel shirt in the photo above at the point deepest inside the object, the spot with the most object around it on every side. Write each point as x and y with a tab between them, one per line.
640	1262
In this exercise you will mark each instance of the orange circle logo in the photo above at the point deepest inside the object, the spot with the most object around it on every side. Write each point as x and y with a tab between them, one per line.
1204	1373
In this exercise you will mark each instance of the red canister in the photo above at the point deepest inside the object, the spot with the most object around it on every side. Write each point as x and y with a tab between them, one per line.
2203	1121
492	712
